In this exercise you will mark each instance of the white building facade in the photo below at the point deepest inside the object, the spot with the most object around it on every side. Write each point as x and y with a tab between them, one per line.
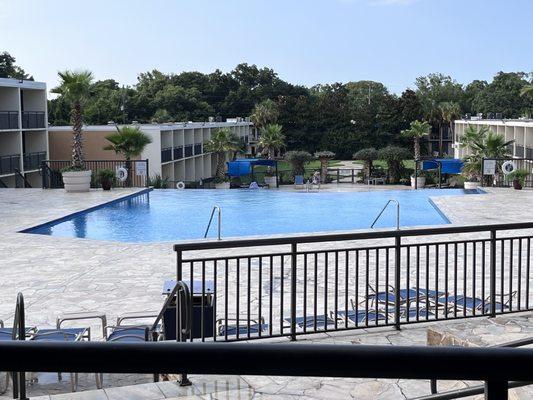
23	132
521	131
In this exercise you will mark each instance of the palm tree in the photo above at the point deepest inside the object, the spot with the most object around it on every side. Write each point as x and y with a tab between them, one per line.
324	157
129	141
450	111
527	90
264	113
493	146
272	139
417	131
224	141
368	155
471	136
74	87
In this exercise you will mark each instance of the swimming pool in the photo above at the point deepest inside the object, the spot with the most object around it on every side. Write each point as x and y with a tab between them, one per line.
170	215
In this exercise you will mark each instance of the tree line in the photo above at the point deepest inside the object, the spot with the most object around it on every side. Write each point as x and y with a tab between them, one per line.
340	117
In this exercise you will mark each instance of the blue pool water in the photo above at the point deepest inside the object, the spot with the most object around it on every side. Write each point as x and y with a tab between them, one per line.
169	215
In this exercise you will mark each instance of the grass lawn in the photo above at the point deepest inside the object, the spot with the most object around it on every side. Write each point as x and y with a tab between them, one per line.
409	163
285	166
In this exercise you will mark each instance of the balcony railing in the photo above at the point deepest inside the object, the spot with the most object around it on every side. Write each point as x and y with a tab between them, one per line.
9	120
166	154
519	151
197	149
34	160
33	120
189	150
178	153
8	164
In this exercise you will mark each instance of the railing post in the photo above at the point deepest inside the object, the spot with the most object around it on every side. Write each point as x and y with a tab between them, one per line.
496	390
179	272
482	172
338	175
180	337
492	273
397	275
147	177
293	289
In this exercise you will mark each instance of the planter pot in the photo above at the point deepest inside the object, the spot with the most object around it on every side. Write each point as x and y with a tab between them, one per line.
471	185
420	182
222	185
271	181
77	181
517	185
106	185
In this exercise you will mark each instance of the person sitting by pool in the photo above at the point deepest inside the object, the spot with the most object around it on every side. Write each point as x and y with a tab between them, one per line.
316	178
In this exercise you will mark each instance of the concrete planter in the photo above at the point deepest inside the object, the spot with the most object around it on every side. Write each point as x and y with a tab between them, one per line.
271	181
77	181
420	182
222	185
471	185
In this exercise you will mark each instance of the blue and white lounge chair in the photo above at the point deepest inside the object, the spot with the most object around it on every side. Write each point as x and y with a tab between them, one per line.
476	304
321	321
232	327
359	317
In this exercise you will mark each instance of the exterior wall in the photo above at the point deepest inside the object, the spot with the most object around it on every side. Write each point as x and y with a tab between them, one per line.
166	154
521	131
23	130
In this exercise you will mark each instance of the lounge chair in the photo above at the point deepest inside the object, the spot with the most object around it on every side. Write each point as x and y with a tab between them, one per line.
320	320
358	317
299	181
466	303
406	296
232	327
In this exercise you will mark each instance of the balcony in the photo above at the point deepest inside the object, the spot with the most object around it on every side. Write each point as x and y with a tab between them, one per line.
178	153
8	164
519	151
33	120
34	160
189	150
9	120
166	154
197	149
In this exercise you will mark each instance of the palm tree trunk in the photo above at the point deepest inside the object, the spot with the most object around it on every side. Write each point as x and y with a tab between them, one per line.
324	170
77	140
417	148
220	165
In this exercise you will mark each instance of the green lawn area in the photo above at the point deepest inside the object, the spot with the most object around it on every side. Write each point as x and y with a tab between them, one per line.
409	163
285	166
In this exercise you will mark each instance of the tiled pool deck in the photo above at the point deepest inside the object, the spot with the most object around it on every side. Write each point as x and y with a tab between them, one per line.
61	275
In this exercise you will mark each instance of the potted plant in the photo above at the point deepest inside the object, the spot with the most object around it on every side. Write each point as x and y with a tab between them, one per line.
75	88
324	157
518	178
471	171
224	141
420	180
106	178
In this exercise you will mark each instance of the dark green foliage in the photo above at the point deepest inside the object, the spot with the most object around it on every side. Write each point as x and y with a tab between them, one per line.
298	159
8	68
394	157
158	182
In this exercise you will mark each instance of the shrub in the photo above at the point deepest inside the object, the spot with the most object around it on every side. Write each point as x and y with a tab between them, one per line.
394	156
298	159
158	182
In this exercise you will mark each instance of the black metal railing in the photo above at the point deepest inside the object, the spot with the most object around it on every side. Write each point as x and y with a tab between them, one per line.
136	172
8	164
497	178
178	153
33	120
344	281
188	150
33	160
166	154
197	149
9	120
494	366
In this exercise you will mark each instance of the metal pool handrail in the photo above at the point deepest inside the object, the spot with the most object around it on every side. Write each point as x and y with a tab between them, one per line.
219	219
397	213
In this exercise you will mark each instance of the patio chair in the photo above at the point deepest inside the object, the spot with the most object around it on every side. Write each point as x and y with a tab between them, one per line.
233	326
299	181
475	303
406	296
65	335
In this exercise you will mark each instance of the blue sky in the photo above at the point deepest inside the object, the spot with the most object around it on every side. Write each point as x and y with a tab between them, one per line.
305	41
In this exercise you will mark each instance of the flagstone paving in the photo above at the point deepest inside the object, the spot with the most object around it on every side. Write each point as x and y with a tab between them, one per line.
62	274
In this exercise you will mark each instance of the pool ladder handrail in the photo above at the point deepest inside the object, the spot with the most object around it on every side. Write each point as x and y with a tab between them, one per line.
219	219
397	213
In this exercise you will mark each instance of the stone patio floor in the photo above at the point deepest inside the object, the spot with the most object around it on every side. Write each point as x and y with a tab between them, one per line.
65	275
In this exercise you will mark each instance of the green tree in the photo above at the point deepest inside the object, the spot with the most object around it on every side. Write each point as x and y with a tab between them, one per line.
75	87
417	131
222	142
450	111
471	136
368	155
129	141
324	157
8	68
493	145
298	159
272	139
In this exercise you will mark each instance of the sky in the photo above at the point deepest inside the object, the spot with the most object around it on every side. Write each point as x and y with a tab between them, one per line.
305	41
